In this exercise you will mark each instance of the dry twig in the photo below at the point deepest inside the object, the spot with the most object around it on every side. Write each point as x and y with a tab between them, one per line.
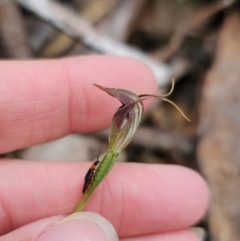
192	23
92	12
157	139
78	28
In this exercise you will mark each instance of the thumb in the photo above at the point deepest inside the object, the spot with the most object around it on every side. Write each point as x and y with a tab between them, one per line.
76	227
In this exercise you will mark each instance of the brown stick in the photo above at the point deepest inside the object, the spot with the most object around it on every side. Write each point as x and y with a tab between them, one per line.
192	23
77	27
156	139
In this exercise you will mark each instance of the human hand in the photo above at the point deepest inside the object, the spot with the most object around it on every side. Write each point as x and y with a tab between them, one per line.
45	100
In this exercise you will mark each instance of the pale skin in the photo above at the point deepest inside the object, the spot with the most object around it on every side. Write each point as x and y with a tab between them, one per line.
45	100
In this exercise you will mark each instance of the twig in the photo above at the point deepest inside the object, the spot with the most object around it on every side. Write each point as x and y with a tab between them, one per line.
77	27
192	23
120	21
156	139
92	12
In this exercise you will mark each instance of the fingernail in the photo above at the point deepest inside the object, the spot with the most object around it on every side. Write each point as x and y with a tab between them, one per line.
200	232
81	226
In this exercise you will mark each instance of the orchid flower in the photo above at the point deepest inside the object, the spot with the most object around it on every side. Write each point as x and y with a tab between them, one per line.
124	124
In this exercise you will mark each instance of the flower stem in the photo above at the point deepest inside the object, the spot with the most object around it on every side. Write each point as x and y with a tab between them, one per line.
103	169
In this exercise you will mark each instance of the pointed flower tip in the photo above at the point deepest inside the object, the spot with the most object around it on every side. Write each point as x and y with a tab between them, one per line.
126	119
110	91
99	86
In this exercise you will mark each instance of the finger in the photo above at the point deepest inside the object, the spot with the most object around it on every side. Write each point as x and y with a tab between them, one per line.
137	199
44	100
182	235
32	230
79	226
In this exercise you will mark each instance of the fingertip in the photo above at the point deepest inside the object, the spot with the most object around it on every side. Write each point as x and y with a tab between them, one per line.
81	226
187	191
172	197
107	71
77	226
112	72
198	190
136	198
47	99
31	230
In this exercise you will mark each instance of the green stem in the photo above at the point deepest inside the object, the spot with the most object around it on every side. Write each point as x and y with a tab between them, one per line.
103	169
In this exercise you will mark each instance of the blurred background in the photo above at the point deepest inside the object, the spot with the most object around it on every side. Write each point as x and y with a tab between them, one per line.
196	41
